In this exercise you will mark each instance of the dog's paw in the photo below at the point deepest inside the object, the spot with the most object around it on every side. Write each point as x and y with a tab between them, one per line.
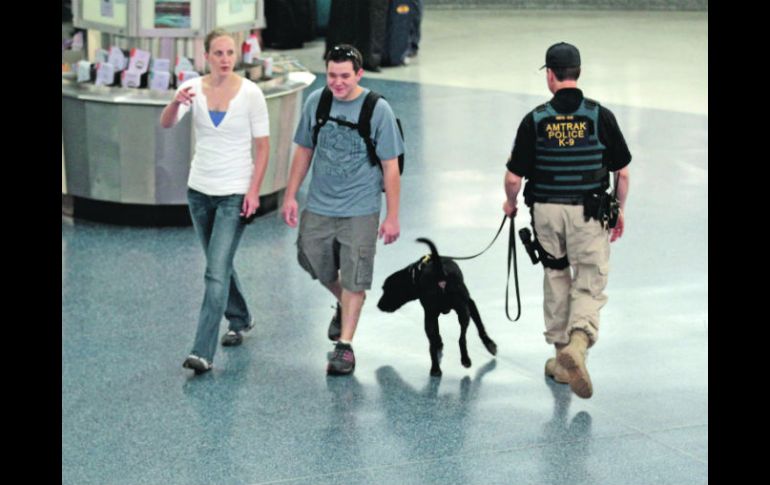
435	372
465	361
491	347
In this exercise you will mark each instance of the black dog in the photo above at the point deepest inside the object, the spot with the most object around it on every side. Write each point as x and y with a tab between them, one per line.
438	283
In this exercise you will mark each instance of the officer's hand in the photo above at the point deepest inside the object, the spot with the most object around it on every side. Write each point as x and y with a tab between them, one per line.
510	209
617	231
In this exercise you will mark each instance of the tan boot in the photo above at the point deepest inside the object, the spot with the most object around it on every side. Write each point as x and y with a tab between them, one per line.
573	359
556	372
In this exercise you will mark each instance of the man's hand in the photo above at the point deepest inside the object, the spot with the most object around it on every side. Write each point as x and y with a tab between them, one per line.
289	211
390	230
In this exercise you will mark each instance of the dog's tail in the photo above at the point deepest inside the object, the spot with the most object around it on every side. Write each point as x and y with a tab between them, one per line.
434	256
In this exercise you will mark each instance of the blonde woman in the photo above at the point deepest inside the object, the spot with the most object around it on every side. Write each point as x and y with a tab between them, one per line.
231	128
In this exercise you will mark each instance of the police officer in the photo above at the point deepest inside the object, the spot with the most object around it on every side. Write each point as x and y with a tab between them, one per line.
567	149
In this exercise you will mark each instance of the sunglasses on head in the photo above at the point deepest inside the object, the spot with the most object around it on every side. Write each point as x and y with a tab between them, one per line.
339	52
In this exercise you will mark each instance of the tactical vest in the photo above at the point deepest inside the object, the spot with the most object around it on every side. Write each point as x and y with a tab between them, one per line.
568	155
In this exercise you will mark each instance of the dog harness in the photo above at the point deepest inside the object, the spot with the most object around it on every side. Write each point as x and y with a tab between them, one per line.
417	267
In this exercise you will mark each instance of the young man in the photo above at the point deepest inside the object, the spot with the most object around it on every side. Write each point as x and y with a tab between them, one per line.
339	227
566	149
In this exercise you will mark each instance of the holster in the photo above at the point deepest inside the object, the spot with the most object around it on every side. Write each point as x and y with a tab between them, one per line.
603	207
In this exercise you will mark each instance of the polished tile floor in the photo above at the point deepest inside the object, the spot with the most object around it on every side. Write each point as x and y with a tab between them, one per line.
267	413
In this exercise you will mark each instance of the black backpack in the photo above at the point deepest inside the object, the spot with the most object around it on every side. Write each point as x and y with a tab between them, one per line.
363	127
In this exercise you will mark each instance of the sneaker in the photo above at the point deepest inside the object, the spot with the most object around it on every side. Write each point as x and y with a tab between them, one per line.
341	360
198	364
235	337
335	326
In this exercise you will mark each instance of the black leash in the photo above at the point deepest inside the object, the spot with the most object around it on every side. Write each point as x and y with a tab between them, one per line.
499	230
511	255
512	251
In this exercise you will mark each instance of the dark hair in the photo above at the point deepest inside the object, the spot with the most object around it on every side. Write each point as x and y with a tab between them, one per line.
345	52
213	35
563	73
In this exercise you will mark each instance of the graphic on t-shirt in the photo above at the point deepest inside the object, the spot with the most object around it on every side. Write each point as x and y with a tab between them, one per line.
340	150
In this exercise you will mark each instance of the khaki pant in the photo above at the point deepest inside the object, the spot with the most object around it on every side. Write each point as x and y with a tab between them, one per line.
572	297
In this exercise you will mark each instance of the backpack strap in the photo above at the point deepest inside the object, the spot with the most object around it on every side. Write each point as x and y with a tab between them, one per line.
400	157
365	124
322	112
365	130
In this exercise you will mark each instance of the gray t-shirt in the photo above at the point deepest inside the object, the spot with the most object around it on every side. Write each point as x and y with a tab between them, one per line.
344	183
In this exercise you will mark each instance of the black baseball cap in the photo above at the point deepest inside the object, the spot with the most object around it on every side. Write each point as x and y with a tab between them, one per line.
562	55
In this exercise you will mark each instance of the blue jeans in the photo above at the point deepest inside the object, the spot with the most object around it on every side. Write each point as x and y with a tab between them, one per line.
218	223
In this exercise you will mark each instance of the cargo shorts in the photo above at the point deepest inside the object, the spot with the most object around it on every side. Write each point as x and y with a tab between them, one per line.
338	247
